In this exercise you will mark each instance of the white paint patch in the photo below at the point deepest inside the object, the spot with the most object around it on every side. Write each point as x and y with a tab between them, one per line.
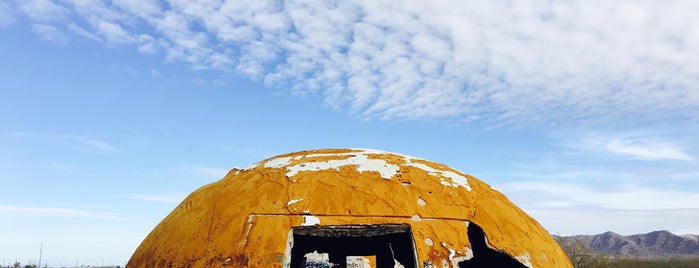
310	220
456	179
421	202
525	260
250	167
293	201
451	251
317	257
429	241
469	253
358	261
289	246
278	162
455	262
457	259
311	166
384	168
359	159
416	218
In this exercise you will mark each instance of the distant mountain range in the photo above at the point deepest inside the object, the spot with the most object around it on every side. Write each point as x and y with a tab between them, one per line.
658	244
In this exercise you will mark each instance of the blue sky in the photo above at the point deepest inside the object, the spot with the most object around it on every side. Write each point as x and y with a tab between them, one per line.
584	113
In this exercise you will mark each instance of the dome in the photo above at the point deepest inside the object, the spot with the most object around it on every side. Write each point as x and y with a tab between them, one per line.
348	208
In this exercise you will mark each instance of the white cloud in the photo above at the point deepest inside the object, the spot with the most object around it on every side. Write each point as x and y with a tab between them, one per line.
147	44
44	10
7	16
141	8
16	211
162	198
83	33
114	33
90	143
76	142
635	146
570	195
647	150
50	33
499	61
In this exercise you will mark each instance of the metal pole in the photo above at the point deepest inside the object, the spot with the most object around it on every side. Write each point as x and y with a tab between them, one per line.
41	250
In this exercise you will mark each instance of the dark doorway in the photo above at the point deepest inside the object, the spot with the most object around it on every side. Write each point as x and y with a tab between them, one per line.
386	244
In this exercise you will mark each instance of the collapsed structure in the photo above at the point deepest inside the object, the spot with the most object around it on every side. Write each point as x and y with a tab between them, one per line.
348	208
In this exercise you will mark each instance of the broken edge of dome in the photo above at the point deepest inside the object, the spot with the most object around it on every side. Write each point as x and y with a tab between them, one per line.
334	159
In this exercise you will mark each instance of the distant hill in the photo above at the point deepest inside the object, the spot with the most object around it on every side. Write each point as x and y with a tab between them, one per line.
658	244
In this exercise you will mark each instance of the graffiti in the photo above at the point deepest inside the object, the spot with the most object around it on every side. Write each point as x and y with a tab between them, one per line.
275	259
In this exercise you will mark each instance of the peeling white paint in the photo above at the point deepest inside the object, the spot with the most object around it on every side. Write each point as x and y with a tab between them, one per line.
278	162
250	166
454	259
360	159
317	257
358	261
428	241
289	246
525	260
469	253
293	201
456	179
416	218
310	220
451	251
421	201
455	262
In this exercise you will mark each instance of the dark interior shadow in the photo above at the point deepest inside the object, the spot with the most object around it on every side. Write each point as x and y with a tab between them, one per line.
483	256
389	243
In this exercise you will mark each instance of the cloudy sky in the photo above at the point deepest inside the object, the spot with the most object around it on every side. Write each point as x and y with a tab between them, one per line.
584	113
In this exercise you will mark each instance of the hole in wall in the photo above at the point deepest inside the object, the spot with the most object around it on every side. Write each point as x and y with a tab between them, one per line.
353	246
484	256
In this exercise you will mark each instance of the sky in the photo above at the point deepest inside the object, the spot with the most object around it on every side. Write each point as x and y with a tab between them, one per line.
583	113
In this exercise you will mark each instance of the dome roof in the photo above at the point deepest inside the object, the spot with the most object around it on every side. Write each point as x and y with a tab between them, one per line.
263	215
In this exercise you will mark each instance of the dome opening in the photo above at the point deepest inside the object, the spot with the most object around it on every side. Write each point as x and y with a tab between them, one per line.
388	245
484	256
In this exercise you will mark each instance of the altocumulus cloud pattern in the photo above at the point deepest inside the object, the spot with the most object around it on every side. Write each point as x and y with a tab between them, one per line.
502	60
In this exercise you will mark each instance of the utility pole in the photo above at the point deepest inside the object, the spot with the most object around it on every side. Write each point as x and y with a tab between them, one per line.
41	250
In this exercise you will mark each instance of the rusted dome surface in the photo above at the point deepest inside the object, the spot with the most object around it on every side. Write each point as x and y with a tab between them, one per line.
246	218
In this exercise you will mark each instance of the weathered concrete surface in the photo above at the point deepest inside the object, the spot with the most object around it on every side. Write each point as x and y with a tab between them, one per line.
244	219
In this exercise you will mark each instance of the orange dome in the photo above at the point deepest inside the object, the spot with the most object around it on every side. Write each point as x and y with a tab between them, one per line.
351	208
